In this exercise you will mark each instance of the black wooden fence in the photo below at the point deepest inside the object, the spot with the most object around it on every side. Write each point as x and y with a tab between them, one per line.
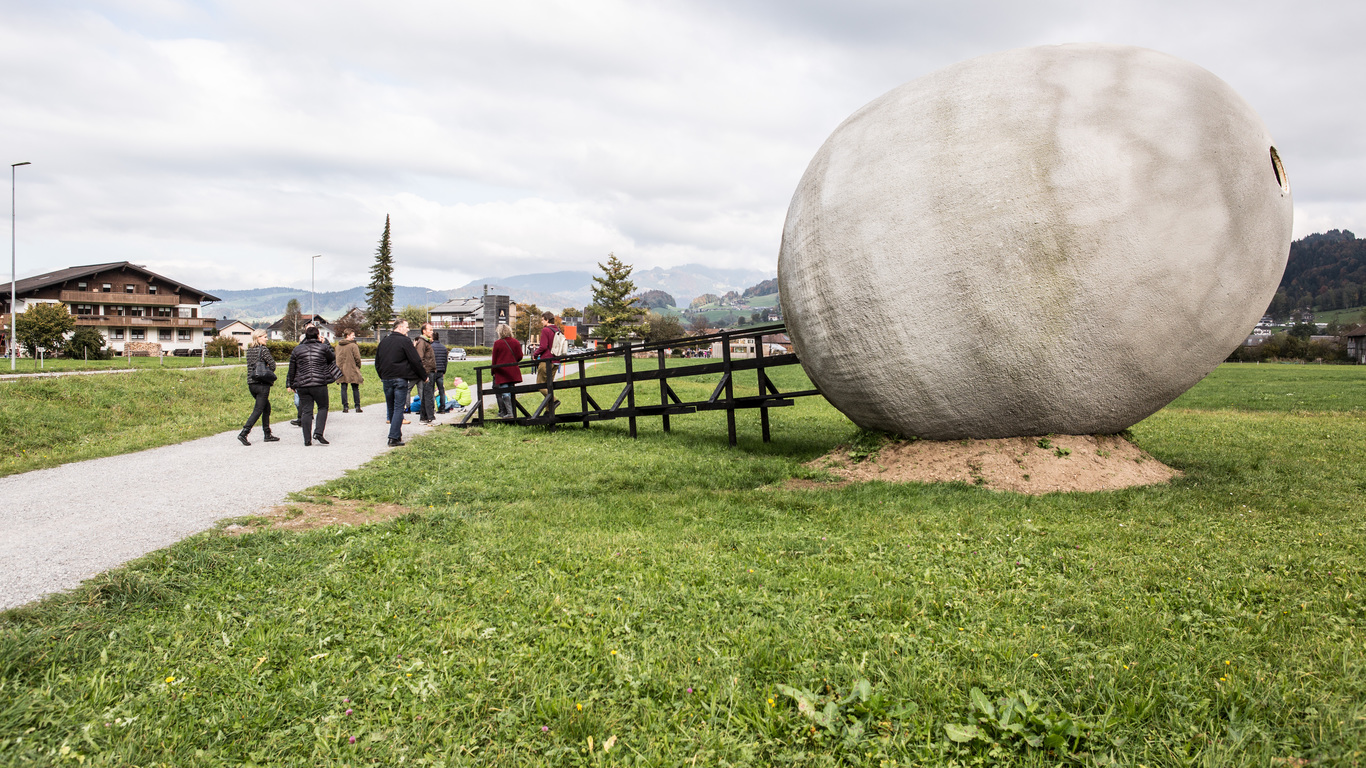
646	363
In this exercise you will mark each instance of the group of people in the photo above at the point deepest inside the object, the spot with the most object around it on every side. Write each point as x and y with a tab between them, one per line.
401	365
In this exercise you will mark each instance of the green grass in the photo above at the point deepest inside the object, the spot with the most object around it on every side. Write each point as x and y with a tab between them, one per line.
679	597
55	365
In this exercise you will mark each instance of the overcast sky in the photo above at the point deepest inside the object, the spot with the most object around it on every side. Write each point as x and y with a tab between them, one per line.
224	143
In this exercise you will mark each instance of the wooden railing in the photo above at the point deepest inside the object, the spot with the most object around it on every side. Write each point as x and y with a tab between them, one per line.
117	297
551	412
114	321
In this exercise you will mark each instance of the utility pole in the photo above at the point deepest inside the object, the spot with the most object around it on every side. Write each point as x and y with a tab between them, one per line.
13	274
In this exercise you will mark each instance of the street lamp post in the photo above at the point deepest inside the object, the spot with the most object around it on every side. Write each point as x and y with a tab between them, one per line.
429	305
13	274
313	286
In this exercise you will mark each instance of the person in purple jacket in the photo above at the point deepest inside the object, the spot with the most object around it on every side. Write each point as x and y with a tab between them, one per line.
546	369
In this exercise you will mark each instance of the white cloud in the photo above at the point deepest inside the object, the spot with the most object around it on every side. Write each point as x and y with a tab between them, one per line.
232	140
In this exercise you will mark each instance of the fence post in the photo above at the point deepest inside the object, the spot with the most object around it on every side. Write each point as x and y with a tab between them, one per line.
479	387
663	391
631	388
730	389
583	391
763	384
549	363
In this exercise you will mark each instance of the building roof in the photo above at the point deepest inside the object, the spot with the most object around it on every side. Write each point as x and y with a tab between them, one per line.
306	317
1360	330
225	322
73	273
470	306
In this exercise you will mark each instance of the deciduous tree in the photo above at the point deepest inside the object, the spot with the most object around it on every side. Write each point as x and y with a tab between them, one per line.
86	343
414	314
42	326
292	324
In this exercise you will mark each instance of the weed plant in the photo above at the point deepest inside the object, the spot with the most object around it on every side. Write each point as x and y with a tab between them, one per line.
582	598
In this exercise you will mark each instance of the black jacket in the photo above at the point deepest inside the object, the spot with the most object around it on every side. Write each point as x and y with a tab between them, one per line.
310	365
442	355
397	359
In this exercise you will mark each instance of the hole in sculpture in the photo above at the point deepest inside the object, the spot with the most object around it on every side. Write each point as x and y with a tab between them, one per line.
1280	172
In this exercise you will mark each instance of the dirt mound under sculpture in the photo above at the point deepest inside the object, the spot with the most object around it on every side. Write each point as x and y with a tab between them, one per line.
1048	240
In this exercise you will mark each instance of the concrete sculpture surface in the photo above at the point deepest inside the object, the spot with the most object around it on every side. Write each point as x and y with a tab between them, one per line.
1047	240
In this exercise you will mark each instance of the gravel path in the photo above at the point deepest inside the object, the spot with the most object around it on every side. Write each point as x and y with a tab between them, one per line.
61	526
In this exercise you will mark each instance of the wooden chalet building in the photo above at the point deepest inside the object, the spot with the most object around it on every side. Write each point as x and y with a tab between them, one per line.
136	309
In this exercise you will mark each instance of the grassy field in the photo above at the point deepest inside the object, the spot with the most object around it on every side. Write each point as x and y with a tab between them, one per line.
57	365
580	598
45	422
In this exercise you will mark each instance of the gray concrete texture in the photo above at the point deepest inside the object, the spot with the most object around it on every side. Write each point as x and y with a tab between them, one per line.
1058	239
63	525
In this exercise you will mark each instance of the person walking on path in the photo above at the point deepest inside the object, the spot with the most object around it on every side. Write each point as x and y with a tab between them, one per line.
442	355
398	366
545	370
423	345
312	368
258	353
348	360
506	352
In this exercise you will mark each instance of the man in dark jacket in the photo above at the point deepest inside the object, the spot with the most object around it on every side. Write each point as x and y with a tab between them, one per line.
398	367
442	355
423	345
311	371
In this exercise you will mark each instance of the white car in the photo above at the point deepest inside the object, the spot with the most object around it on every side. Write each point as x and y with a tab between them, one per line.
457	353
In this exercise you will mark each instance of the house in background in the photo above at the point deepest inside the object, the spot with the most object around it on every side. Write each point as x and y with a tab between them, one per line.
1356	344
137	310
473	322
234	329
276	330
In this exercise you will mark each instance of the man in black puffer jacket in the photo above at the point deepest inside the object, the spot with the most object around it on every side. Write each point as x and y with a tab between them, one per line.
311	367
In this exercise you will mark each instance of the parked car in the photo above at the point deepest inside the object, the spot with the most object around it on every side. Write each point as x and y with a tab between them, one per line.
457	353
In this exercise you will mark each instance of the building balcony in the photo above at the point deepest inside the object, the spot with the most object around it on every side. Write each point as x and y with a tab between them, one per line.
100	297
107	321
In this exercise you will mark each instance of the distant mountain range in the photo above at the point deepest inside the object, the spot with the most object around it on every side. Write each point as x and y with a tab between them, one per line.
548	290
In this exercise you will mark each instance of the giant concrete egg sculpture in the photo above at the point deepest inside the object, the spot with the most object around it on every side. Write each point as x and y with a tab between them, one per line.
1048	240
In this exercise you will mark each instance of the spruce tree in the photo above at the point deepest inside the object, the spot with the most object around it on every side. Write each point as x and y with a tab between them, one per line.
612	295
379	307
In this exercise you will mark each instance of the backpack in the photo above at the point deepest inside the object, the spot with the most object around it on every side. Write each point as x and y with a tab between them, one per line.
560	346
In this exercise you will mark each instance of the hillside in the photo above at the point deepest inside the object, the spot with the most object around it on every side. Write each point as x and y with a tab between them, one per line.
548	290
1324	272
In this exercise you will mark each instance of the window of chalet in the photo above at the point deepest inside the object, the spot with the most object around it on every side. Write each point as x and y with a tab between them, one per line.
116	334
107	288
85	309
152	289
82	286
163	334
135	311
183	334
186	312
130	288
163	311
136	334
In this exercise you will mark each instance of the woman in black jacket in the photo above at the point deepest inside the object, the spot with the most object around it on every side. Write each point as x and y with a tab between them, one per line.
312	367
259	353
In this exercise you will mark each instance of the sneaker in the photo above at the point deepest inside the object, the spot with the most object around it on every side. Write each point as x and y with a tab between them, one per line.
320	440
345	409
358	410
269	438
395	443
293	422
242	438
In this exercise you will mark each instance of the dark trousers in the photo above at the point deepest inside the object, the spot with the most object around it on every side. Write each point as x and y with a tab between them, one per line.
355	392
262	410
395	397
504	394
428	413
440	381
307	397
